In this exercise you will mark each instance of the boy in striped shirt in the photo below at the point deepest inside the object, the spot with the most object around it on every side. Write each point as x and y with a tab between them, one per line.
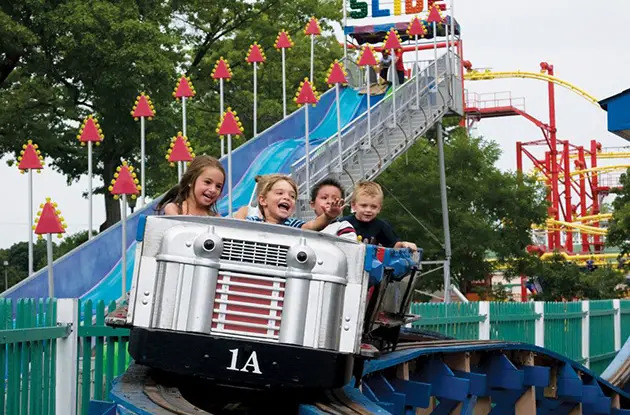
325	193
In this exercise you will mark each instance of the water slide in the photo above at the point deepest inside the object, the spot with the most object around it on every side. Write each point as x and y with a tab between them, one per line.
93	270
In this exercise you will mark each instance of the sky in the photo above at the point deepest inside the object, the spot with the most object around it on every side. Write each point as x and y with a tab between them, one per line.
504	35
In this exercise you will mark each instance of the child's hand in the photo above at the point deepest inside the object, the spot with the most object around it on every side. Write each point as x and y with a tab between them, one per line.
335	209
409	245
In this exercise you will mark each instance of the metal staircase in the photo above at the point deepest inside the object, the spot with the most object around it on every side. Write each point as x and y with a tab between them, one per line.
364	156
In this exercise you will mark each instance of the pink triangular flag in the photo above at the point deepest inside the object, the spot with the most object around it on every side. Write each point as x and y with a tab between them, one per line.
312	28
184	88
392	41
221	70
180	151
434	15
125	184
416	28
255	54
283	41
49	221
306	94
90	131
336	75
229	124
30	159
367	57
143	107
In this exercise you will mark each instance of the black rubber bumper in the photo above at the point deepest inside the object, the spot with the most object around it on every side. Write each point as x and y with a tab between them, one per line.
238	361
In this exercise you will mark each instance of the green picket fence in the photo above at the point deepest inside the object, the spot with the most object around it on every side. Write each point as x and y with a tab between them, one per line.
563	329
513	322
102	353
625	319
28	334
459	320
602	334
27	356
560	324
29	331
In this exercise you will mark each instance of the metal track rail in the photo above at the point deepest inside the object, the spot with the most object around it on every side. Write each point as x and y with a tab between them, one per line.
424	377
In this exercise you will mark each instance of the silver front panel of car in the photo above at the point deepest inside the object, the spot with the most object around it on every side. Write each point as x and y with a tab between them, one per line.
259	281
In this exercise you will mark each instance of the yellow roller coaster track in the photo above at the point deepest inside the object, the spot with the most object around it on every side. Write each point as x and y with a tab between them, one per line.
487	75
605	155
599	169
589	230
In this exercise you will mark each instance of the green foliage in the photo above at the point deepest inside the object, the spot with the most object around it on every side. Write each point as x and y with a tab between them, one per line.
489	210
619	229
494	292
70	58
563	280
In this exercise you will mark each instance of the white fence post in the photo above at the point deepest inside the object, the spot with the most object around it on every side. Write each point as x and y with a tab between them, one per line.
586	333
66	358
484	325
539	326
617	308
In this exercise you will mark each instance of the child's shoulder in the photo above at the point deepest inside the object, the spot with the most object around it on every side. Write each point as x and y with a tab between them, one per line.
172	208
349	218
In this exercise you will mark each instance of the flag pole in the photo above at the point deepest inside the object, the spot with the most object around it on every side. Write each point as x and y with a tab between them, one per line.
89	144
30	222
221	113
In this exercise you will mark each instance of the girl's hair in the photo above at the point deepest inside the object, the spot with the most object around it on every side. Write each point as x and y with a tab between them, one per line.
178	193
266	182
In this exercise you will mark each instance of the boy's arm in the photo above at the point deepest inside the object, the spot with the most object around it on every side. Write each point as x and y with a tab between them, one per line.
387	237
318	223
241	213
405	244
330	214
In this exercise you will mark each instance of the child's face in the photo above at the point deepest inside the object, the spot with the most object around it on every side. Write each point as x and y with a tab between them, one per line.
366	207
279	202
325	196
208	186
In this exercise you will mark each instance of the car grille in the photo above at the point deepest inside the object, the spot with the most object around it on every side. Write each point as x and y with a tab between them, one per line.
248	305
254	252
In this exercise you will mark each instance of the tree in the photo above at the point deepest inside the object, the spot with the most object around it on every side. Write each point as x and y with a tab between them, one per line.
619	228
489	210
77	58
65	59
562	280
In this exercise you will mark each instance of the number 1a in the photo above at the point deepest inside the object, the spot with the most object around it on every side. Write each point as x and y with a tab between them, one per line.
252	362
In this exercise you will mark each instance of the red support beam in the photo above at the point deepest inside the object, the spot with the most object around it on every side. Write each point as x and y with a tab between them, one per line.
550	235
555	196
595	192
581	165
568	209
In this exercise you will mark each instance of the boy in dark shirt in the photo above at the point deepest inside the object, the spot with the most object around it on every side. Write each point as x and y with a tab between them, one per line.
367	201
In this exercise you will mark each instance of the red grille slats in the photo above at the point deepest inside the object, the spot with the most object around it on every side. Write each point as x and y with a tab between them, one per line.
258	307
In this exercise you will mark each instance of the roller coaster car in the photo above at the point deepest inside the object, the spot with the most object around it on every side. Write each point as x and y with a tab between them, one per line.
260	305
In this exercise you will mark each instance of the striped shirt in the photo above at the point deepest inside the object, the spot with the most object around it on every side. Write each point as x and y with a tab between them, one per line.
342	229
292	222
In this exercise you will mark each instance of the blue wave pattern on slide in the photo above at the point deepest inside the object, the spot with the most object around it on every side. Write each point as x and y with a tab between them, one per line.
93	270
